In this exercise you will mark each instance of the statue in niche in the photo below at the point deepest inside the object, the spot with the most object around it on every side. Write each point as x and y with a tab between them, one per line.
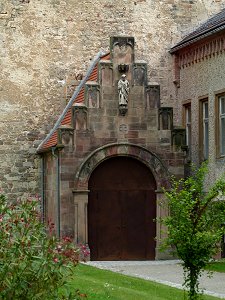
123	89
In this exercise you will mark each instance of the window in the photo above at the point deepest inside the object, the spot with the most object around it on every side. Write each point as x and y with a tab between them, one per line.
221	125
204	129
187	124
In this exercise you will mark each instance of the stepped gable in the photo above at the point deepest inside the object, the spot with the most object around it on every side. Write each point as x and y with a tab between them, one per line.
208	28
78	97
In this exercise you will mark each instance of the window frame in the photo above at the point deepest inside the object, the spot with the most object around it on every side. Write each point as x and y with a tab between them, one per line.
203	120
219	117
187	118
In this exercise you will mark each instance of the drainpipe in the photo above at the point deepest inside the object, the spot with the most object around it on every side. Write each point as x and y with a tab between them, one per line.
42	188
58	193
57	158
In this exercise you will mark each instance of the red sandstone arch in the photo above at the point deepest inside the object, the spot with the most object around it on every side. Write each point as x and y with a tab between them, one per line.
147	157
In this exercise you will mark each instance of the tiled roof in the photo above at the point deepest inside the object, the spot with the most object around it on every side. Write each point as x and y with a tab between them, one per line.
65	118
211	26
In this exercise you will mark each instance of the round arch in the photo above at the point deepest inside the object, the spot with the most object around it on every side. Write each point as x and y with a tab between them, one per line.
147	157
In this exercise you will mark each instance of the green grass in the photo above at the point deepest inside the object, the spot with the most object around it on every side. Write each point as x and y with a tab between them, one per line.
218	266
102	285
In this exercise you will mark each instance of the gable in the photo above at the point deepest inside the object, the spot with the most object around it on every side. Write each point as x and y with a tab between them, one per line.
65	118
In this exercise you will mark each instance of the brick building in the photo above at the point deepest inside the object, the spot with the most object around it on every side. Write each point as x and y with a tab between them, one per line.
199	62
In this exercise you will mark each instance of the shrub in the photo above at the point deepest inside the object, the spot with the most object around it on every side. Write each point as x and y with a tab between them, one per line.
196	224
33	264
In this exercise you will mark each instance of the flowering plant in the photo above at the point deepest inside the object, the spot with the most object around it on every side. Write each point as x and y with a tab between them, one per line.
84	252
33	265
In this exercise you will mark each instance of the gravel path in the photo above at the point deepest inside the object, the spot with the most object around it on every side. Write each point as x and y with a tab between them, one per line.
167	272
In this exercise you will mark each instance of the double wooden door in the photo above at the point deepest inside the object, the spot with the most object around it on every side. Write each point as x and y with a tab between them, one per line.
121	212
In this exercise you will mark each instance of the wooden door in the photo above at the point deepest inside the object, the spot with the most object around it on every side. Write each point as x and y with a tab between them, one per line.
121	211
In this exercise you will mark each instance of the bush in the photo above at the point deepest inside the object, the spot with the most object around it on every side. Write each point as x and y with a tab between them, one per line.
33	264
196	224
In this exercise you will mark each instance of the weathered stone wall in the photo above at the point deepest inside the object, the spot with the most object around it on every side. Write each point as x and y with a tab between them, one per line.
45	43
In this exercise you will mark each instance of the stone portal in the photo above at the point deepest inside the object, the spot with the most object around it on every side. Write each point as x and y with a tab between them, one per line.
103	132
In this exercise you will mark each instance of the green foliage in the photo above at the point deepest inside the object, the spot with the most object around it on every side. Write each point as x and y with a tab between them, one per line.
33	265
195	225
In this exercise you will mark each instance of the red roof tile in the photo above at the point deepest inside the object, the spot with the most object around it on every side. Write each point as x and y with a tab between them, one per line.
80	97
51	142
66	117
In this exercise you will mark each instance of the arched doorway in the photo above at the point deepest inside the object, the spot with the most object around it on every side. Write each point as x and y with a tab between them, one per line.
121	210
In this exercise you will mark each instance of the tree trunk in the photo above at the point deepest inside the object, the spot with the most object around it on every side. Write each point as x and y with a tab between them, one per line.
193	283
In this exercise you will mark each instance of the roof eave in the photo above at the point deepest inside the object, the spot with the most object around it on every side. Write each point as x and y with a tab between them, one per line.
50	149
197	38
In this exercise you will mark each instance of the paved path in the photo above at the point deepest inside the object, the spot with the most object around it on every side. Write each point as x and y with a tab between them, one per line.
167	272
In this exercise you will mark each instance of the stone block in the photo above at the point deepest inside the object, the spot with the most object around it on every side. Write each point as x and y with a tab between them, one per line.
106	73
139	73
92	94
138	126
108	90
132	134
152	96
80	117
122	49
111	104
112	111
152	123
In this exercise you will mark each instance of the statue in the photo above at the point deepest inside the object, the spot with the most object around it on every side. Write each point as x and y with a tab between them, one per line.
123	89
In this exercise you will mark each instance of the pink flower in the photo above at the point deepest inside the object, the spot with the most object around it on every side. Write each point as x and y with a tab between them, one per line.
59	248
55	259
67	239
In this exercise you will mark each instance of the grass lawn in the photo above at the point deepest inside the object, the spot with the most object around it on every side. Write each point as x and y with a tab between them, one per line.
218	266
102	285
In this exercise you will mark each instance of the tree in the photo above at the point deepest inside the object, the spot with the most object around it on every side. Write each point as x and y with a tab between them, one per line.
196	224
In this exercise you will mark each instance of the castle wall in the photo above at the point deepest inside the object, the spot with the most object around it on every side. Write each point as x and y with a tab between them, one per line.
46	46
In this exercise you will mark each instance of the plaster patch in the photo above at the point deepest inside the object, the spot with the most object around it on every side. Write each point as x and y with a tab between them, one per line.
20	76
7	107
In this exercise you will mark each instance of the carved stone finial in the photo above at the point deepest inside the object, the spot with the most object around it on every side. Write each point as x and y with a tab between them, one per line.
122	41
122	50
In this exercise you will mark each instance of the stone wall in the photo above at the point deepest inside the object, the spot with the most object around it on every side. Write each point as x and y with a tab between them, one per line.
45	44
